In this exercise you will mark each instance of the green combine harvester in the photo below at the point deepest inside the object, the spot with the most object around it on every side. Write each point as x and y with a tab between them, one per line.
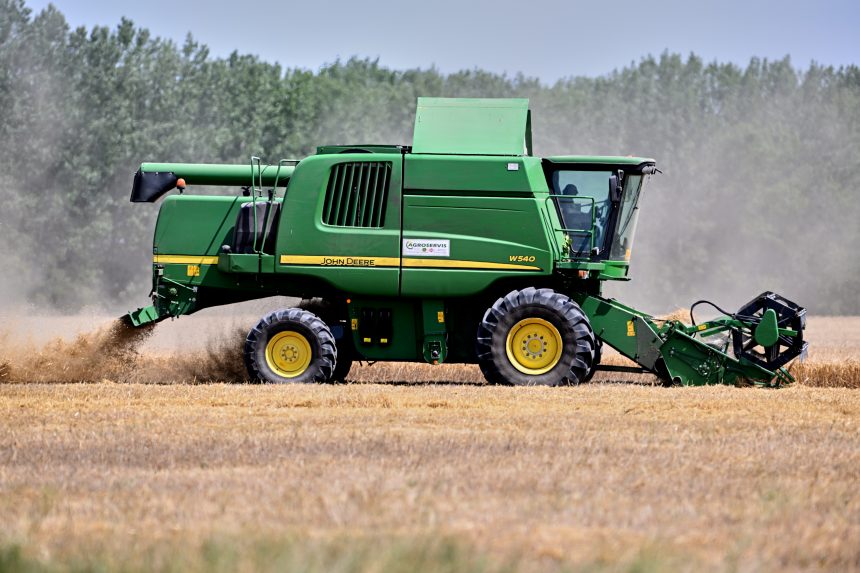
463	248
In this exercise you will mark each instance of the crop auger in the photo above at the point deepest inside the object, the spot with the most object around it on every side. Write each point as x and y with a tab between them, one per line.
463	247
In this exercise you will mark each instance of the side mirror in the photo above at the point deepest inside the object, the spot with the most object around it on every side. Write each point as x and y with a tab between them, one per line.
614	188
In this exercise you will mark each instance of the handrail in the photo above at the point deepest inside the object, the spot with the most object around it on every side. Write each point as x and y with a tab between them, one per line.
272	197
259	163
256	161
278	173
567	231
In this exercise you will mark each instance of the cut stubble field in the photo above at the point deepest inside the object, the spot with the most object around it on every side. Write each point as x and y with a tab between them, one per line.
434	477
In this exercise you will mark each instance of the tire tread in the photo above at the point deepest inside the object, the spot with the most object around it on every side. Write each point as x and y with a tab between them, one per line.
490	341
322	343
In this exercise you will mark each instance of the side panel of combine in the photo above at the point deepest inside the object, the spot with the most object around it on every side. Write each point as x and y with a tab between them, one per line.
189	234
470	221
340	229
188	238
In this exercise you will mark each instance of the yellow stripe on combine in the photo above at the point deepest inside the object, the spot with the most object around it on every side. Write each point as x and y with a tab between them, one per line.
339	261
184	260
415	263
454	264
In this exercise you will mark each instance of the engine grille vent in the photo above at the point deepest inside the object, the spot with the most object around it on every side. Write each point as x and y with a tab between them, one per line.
357	194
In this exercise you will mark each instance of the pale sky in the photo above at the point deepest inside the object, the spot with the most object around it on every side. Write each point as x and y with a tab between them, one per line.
548	39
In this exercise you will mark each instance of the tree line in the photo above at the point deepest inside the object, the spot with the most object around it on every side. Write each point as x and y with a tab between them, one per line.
760	189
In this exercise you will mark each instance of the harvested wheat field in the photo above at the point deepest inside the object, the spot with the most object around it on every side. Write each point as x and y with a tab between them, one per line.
124	473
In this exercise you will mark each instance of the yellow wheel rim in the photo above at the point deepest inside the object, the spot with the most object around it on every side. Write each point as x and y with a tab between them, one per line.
288	354
534	346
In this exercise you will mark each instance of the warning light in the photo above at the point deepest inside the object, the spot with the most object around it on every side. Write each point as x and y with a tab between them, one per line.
348	301
180	184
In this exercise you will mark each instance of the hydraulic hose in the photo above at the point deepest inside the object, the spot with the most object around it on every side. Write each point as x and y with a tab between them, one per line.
698	302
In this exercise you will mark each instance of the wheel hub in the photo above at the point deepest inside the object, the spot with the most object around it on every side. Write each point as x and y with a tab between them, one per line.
534	346
288	353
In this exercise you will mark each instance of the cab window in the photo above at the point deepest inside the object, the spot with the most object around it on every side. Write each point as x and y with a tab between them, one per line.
583	202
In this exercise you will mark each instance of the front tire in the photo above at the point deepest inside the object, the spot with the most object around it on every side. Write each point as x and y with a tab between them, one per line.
535	337
598	353
290	346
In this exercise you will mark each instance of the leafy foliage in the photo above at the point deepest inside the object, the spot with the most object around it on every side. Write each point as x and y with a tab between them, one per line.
759	191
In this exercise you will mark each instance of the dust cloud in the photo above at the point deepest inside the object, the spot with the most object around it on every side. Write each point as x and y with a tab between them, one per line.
117	352
91	347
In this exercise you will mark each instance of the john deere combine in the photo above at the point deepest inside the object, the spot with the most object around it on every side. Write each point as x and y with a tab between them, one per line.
461	248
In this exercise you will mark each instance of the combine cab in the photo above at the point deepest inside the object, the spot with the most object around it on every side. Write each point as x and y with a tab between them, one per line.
461	248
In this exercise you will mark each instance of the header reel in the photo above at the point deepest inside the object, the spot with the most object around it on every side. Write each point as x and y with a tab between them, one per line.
767	345
764	335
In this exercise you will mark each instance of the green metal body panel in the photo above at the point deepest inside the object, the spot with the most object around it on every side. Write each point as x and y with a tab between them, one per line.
472	126
146	315
420	330
480	175
490	238
406	338
361	261
625	329
239	263
434	331
189	233
195	224
468	216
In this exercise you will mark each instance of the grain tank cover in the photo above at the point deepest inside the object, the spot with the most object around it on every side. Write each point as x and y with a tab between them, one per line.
472	126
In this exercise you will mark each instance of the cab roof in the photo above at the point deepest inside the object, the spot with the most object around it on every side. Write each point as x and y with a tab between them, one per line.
599	159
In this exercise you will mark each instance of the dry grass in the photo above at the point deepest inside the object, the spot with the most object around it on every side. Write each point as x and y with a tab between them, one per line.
418	474
707	478
835	374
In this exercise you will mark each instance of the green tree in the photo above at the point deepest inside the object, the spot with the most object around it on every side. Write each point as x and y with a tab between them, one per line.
759	189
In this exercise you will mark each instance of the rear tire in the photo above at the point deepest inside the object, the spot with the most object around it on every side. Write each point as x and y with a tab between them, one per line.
535	337
345	349
344	362
290	346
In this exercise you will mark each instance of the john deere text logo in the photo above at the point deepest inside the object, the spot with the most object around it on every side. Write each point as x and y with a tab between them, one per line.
347	262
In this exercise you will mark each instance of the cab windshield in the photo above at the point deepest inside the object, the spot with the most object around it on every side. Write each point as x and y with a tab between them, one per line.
583	202
628	215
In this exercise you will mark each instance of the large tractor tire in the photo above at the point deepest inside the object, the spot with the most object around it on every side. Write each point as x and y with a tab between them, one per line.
345	349
535	337
598	354
290	346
